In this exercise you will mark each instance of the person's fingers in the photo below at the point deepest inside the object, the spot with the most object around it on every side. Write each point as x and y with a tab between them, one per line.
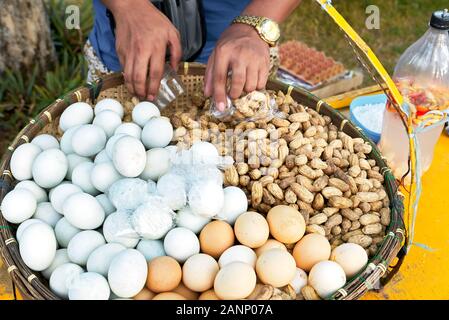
128	73
238	79
221	64
263	77
252	75
157	62
174	42
208	76
140	72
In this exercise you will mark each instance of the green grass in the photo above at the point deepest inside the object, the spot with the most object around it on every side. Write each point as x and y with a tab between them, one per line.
402	22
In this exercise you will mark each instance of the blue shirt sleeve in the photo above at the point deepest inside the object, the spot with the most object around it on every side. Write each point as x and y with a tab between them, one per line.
218	15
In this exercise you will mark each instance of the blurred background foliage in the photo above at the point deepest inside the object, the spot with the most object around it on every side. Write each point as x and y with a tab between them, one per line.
24	96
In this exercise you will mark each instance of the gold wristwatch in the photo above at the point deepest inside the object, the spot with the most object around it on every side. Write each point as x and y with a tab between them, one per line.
268	29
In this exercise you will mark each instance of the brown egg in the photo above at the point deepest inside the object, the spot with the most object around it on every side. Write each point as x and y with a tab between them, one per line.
235	281
287	225
164	274
169	296
199	271
145	294
216	237
270	244
208	295
310	250
186	292
276	267
251	229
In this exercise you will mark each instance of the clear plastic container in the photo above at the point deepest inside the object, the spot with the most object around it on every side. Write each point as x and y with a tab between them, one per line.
422	76
170	88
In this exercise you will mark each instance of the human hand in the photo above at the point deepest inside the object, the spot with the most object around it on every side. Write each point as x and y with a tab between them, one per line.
241	51
142	36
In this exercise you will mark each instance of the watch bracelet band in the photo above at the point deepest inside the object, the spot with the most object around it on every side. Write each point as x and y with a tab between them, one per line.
250	20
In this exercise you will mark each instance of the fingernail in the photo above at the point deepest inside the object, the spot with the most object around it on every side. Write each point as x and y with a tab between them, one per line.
150	97
221	106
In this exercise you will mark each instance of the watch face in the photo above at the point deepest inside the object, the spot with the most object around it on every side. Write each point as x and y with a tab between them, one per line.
270	30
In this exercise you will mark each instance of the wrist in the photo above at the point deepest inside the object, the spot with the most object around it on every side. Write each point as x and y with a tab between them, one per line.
120	8
248	31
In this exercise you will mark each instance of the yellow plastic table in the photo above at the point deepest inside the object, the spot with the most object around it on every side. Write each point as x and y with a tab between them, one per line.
423	275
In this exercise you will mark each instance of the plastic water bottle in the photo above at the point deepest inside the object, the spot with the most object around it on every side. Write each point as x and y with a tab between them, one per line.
422	76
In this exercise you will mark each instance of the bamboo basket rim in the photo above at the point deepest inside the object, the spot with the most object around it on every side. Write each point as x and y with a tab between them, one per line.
378	270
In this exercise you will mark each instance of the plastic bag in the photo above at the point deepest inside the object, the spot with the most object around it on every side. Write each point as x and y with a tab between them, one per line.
146	209
255	106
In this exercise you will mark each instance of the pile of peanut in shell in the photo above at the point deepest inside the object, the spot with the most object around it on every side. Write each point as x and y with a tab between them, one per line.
301	159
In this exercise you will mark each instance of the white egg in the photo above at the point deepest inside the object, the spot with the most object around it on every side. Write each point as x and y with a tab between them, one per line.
108	121
102	157
117	229
24	225
62	277
76	114
38	246
157	164
172	188
144	111
50	168
109	104
111	143
326	277
22	160
45	141
18	205
151	248
206	198
238	253
129	129
181	243
60	194
103	175
204	153
83	211
64	232
89	286
100	259
47	213
128	193
153	219
74	160
66	140
88	140
158	132
83	244
39	193
81	178
299	281
129	156
235	203
351	257
185	218
107	205
61	258
128	273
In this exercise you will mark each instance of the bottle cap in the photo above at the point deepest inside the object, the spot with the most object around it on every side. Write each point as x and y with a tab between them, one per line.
440	20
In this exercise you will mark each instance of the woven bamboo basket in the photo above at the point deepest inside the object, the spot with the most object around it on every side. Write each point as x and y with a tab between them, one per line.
33	286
